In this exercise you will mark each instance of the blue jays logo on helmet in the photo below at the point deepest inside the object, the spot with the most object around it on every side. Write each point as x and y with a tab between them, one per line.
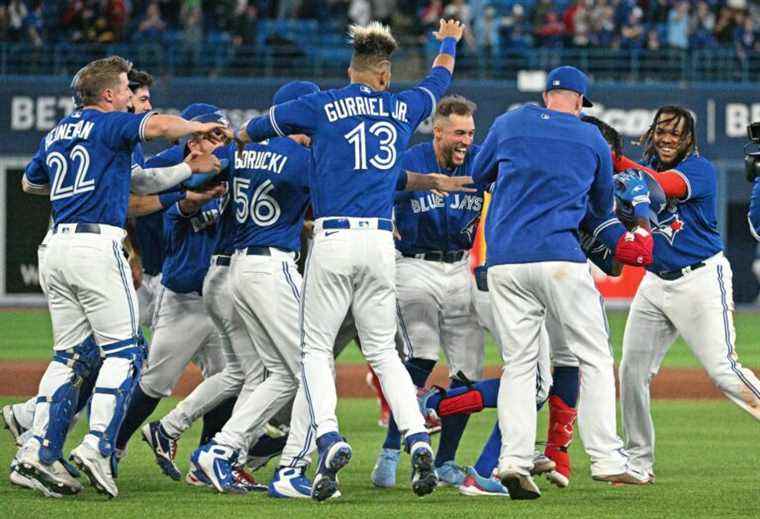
196	109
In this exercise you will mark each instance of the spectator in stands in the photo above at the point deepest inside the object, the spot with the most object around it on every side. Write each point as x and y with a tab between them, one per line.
360	12
658	13
702	27
116	18
541	9
17	13
287	9
487	30
192	32
729	20
430	15
383	10
459	10
678	26
246	26
577	19
551	31
152	27
603	31
632	32
653	40
4	23
745	40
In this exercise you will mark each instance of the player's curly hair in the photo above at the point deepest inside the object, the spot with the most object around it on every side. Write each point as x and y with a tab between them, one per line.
666	114
609	133
139	79
372	44
97	76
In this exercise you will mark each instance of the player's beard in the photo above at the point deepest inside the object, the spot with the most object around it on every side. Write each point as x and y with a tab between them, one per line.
454	155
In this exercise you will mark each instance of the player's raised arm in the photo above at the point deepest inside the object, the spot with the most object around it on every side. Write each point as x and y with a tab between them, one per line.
449	33
171	127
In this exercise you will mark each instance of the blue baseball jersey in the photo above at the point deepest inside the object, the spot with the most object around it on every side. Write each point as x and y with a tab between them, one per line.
138	156
754	210
358	136
149	229
190	242
271	192
226	228
86	158
687	231
549	169
599	239
427	221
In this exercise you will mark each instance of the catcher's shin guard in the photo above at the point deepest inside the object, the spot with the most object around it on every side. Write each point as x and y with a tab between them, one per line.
134	352
83	361
560	433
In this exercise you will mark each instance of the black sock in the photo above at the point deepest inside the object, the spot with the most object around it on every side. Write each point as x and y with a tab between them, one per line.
214	420
452	429
140	408
268	446
419	370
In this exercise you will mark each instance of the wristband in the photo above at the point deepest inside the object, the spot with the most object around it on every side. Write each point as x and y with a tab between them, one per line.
449	46
168	199
642	210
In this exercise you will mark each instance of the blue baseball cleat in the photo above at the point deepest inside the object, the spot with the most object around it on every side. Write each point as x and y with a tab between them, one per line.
212	463
384	473
476	485
450	474
334	454
164	448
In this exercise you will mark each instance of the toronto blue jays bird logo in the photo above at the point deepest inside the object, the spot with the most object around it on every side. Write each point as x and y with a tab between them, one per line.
669	227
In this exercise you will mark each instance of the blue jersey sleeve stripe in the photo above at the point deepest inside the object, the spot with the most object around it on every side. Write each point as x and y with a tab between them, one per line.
273	122
141	130
752	229
432	98
688	184
33	184
602	226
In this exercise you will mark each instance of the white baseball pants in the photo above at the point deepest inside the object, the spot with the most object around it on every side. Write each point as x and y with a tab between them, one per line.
523	297
242	371
699	306
182	331
435	310
266	291
353	269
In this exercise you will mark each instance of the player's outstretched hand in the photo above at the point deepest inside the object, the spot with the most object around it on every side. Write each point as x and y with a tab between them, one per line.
203	162
449	29
211	128
444	184
199	198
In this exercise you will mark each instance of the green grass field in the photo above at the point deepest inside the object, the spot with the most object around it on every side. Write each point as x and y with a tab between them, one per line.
30	338
707	454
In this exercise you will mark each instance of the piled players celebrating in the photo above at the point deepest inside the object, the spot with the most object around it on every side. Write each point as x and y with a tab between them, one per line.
221	216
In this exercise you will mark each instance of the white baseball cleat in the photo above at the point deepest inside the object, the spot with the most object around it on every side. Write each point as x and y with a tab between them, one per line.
51	480
10	423
96	467
542	464
630	477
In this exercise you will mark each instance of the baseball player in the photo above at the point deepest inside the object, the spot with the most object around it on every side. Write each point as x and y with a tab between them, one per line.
270	185
357	134
434	299
18	418
83	163
686	291
182	328
542	275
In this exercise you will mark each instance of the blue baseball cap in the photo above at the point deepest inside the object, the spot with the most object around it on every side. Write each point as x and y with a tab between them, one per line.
568	78
293	90
194	110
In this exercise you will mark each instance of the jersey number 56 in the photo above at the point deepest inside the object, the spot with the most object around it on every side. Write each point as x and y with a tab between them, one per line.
262	208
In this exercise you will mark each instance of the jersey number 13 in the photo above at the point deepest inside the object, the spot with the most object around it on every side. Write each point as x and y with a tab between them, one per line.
386	157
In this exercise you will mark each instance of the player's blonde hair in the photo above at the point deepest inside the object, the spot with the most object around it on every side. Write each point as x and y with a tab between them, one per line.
99	75
373	44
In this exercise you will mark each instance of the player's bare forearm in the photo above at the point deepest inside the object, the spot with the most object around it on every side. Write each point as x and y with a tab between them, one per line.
171	127
143	205
446	61
437	182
